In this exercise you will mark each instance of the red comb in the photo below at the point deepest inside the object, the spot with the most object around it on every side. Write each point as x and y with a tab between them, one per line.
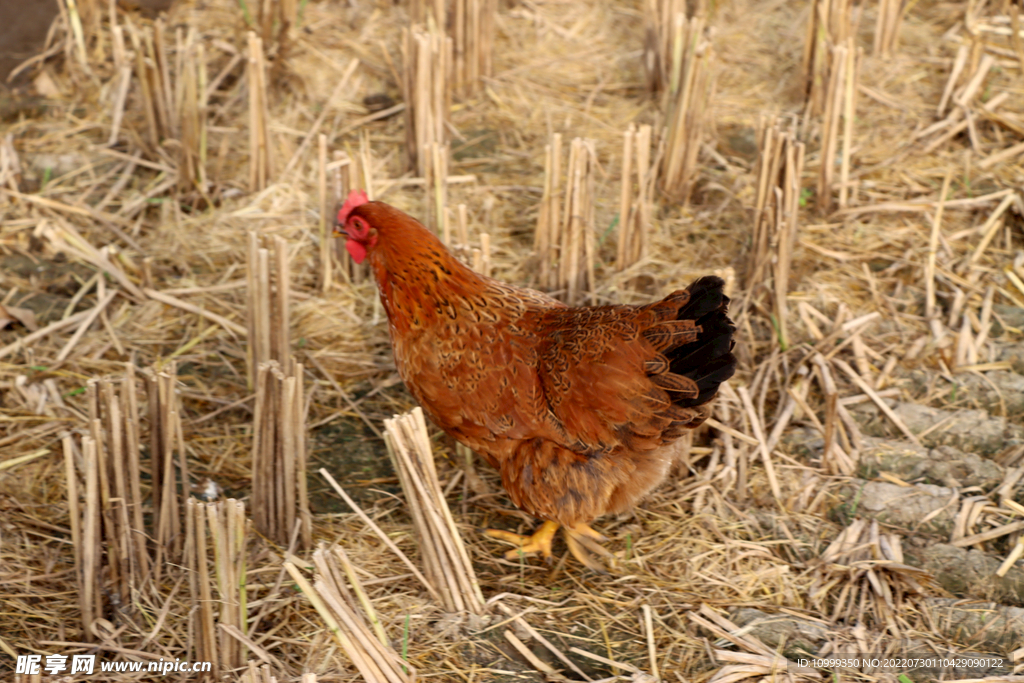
355	198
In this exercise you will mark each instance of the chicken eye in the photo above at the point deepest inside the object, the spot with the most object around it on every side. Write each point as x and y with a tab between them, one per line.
359	226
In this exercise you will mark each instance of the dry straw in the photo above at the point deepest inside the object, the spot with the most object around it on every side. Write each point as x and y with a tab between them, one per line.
216	532
689	94
636	201
276	21
429	11
482	255
343	605
172	82
347	172
279	422
427	60
268	303
201	585
887	26
435	178
445	559
279	492
658	38
112	559
776	215
263	674
227	528
326	218
114	409
168	464
261	163
829	24
963	92
85	531
862	578
472	29
840	106
962	261
564	238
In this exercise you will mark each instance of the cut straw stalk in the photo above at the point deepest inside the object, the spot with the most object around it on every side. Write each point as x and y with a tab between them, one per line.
216	533
347	622
227	532
326	219
472	31
776	214
92	551
168	473
931	311
687	100
279	455
348	173
115	430
482	255
658	38
381	535
436	158
564	240
276	20
548	220
429	12
829	24
862	574
427	58
200	585
887	27
260	158
268	305
446	562
110	540
840	106
173	85
635	209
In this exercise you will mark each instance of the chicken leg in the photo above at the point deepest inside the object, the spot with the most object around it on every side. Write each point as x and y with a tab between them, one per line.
539	542
580	538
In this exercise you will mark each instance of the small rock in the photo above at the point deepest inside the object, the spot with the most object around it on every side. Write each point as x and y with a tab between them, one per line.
969	573
973	431
943	466
905	507
774	630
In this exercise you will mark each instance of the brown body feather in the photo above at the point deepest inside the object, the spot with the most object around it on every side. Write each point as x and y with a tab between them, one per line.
576	407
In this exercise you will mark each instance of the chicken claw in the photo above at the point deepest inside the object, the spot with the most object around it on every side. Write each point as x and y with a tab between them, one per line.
539	542
582	529
581	538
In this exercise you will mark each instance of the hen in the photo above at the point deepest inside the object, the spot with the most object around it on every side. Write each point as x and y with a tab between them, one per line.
577	408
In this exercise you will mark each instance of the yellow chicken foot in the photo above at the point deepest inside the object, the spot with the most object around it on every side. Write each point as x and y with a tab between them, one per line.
581	538
584	530
539	542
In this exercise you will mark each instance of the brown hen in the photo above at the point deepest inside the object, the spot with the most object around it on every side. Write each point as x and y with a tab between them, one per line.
577	408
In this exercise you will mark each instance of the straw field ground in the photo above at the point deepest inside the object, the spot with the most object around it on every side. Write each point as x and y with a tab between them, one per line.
177	326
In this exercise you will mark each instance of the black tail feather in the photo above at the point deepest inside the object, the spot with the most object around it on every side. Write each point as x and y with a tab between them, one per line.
709	360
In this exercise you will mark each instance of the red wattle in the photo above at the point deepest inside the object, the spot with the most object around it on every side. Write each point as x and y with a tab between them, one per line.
356	250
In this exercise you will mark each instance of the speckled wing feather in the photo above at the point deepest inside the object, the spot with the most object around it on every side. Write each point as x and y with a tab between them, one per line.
474	371
576	406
